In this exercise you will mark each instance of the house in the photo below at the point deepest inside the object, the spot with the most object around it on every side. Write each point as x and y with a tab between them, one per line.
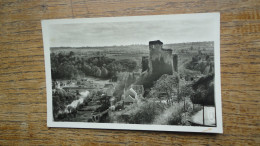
132	93
139	89
109	89
130	96
129	100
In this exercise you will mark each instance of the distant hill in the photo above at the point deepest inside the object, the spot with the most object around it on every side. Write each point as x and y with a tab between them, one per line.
131	49
191	47
138	49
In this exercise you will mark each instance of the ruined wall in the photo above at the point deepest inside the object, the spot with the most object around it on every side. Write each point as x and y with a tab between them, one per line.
145	62
175	62
161	60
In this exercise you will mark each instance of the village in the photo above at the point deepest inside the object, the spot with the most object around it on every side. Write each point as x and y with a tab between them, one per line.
115	100
100	96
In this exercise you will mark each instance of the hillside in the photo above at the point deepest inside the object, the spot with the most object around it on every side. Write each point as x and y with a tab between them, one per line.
130	49
191	47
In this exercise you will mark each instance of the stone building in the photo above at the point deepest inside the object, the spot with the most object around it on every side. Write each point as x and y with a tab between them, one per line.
161	61
145	62
139	89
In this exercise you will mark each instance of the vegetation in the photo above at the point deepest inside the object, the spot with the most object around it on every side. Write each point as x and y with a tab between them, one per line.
170	98
70	66
125	80
204	91
168	84
197	64
170	116
60	99
144	113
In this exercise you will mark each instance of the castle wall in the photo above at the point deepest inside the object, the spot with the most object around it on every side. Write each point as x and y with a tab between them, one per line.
145	63
161	60
175	62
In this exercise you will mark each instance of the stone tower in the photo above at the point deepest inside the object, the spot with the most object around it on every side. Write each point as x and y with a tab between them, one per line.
175	62
145	63
161	60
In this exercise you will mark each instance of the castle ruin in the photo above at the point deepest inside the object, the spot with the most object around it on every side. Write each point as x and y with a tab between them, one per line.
161	61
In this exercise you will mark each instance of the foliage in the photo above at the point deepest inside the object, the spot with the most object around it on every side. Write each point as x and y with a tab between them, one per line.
145	113
104	72
87	69
166	84
204	90
60	99
171	116
185	91
197	64
70	66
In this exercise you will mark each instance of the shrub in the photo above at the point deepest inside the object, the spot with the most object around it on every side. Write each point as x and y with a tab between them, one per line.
145	113
204	90
188	105
60	99
174	115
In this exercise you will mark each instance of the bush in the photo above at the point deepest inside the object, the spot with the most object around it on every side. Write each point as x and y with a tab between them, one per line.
60	99
188	105
204	90
171	116
145	113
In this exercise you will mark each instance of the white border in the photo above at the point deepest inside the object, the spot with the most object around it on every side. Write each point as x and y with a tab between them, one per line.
51	123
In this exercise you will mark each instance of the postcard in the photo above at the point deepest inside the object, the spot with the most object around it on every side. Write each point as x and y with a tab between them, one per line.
157	72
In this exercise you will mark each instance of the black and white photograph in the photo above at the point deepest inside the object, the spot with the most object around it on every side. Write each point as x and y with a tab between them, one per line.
157	72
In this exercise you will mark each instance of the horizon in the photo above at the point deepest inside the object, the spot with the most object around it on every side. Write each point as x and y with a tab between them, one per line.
129	45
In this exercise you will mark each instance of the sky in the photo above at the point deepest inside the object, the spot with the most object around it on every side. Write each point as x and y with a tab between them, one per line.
134	32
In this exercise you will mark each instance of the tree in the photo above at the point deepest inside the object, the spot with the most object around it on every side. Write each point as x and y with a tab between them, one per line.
204	91
71	54
104	72
130	79
87	69
60	99
96	71
185	91
167	84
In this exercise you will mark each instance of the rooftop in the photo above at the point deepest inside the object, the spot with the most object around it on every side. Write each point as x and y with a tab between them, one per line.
129	98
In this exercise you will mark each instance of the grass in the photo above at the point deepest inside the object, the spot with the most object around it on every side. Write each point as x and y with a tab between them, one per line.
170	116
